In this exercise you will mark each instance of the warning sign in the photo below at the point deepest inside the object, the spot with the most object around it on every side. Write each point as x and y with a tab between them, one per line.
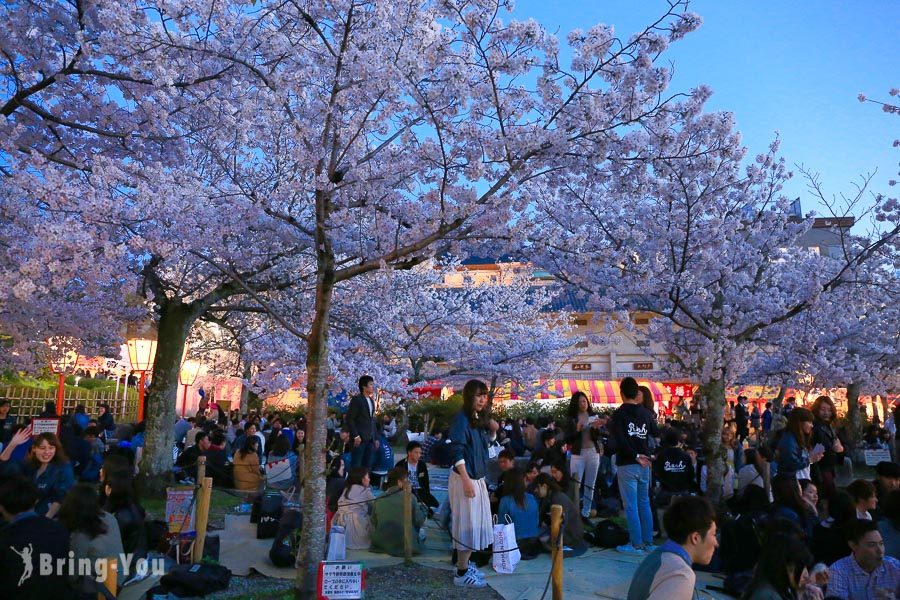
180	509
39	426
341	580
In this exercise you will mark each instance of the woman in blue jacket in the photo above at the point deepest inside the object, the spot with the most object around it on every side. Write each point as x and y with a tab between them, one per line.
470	506
46	465
794	448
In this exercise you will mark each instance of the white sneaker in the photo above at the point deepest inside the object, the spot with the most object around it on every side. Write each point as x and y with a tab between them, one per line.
473	570
468	580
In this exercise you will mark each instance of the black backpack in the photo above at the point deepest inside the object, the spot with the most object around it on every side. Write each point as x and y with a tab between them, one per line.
283	552
192	580
608	534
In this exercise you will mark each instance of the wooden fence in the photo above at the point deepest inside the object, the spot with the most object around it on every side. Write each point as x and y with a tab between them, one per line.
29	402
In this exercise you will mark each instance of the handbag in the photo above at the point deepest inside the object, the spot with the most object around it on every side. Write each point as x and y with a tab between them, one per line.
337	542
279	473
506	550
270	510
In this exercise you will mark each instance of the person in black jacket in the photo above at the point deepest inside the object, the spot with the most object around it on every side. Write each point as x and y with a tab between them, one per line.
741	419
823	472
187	460
24	540
364	427
674	470
631	428
418	475
582	433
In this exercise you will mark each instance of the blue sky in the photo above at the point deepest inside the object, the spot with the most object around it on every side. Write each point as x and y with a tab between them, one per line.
791	67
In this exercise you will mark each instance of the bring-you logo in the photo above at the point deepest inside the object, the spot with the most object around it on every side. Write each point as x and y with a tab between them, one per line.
98	569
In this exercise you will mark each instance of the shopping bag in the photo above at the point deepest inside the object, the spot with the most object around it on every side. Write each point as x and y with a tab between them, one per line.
337	543
506	550
279	474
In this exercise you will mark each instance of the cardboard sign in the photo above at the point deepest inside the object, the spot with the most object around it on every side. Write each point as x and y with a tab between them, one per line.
39	426
180	510
340	580
873	457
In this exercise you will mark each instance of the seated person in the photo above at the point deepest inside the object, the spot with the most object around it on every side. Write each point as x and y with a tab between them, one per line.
93	535
548	451
26	538
867	574
668	573
549	493
506	461
354	506
217	460
187	460
387	517
247	472
120	500
522	508
418	475
864	497
46	464
886	481
286	472
829	540
334	484
673	469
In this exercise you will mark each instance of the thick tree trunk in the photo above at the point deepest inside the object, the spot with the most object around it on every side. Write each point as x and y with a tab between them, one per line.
174	323
779	399
312	539
714	392
854	421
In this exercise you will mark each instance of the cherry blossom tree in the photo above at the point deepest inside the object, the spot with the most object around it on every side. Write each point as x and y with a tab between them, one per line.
706	244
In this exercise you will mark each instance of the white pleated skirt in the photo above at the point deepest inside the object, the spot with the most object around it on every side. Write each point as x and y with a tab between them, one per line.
471	526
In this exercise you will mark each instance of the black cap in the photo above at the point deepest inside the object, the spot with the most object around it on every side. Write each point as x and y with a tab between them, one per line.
887	469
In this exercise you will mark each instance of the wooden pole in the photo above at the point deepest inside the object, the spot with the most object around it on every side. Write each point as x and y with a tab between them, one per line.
407	523
112	578
556	541
202	518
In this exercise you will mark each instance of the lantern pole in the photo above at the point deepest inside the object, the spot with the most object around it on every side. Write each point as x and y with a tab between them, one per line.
141	385
60	393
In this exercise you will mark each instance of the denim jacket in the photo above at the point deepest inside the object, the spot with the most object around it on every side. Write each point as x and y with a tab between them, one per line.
469	444
53	484
791	456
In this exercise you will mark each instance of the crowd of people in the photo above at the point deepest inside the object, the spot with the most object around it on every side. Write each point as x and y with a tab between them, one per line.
781	527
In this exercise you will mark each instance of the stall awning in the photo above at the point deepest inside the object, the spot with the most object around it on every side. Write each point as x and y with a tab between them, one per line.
600	392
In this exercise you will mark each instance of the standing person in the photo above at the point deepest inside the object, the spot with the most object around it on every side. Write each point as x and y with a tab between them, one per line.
631	427
668	574
755	420
823	472
583	436
7	422
767	421
106	422
363	425
794	448
469	503
741	419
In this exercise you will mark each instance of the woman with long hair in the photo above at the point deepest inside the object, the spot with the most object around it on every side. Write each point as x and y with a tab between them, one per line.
120	500
794	448
247	473
46	464
93	535
823	472
354	508
467	489
755	470
789	504
780	573
829	540
522	509
547	489
582	429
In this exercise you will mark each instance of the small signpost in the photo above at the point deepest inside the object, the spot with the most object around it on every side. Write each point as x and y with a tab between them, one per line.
873	457
339	580
180	509
39	426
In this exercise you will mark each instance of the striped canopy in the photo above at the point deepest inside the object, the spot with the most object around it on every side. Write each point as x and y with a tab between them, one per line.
600	392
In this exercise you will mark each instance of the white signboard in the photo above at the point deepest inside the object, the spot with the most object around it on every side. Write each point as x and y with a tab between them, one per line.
341	580
873	457
39	426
